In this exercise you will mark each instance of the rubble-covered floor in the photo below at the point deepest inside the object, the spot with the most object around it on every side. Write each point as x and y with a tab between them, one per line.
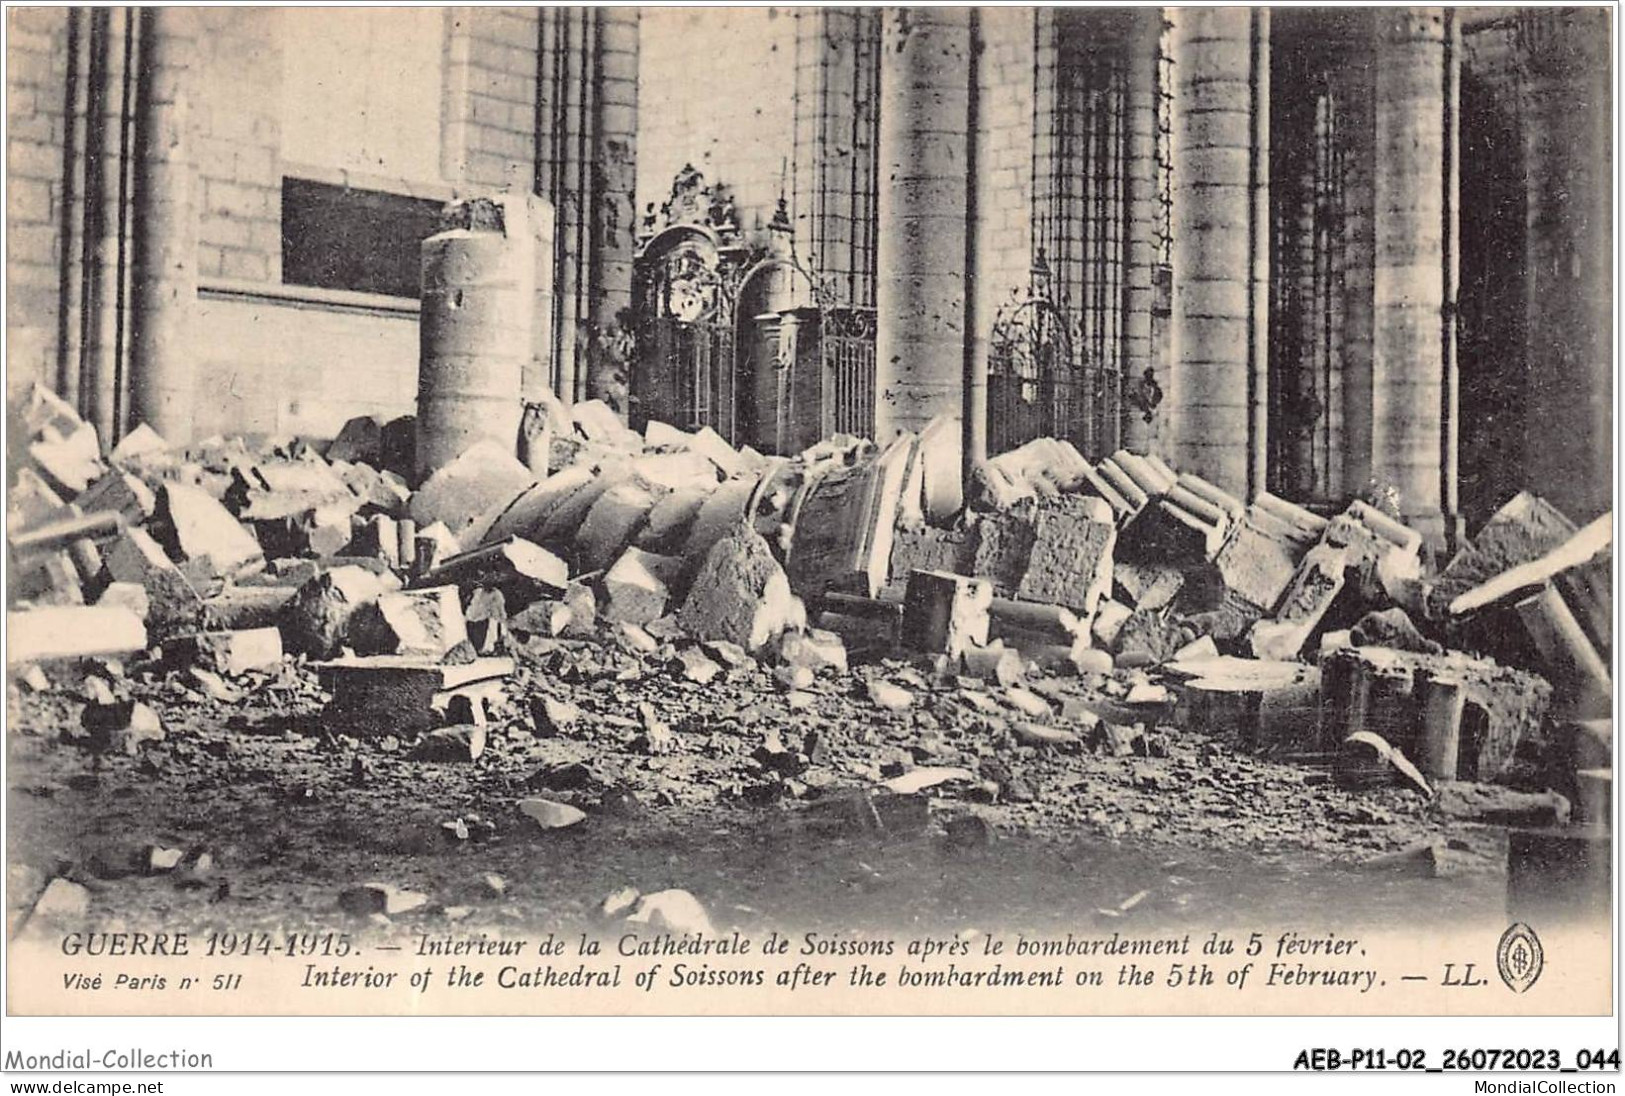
267	682
292	811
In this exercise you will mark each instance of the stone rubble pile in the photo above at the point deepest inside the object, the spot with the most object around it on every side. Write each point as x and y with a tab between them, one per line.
1323	638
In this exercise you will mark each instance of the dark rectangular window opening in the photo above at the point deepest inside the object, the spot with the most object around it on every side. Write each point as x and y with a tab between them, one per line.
336	237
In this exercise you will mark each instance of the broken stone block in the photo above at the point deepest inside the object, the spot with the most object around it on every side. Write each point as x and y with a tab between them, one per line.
316	621
893	698
1108	623
379	899
1525	529
72	631
674	471
946	613
321	532
135	557
633	637
637	588
463	743
1149	586
485	475
1383	690
565	519
612	522
1255	704
723	511
1004	544
521	570
583	605
1041	735
359	439
143	441
120	493
527	514
126	595
549	815
598	423
1391	628
741	595
66	454
994	663
1567	655
671	517
929	548
694	666
1314	588
236	652
552	619
378	536
1070	562
242	607
814	649
1255	566
121	727
374	491
553	717
1150	638
487	620
1497	805
1166	532
729	461
195	526
271	490
1298	528
426	623
674	911
1027	702
391	694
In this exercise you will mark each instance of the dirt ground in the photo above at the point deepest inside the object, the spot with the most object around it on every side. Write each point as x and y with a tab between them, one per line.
760	811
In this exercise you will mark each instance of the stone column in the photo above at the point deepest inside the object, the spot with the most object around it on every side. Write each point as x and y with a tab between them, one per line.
1209	383
1352	402
1407	366
921	286
1568	145
1145	29
616	160
164	281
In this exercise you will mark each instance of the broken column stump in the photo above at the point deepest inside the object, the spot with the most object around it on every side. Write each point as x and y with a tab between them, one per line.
945	613
1383	691
392	694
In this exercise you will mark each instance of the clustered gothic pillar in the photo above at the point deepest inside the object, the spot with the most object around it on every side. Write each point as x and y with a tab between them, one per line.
129	221
921	289
1568	141
1139	354
1211	381
586	159
164	284
1407	362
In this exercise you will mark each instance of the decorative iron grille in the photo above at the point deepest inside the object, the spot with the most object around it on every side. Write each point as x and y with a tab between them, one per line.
1056	360
1308	260
846	339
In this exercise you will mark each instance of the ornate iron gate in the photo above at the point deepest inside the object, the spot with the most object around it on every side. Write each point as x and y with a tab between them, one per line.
706	335
685	292
1043	380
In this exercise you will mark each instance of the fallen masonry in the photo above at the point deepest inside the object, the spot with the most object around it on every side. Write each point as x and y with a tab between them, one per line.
841	632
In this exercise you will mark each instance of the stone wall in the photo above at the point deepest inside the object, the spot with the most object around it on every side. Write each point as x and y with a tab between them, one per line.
717	91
